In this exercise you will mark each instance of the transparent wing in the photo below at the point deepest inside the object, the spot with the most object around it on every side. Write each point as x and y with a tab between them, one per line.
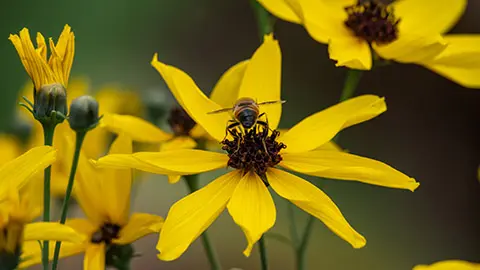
221	111
272	102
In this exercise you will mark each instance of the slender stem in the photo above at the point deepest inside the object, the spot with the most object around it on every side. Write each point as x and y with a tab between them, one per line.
264	20
193	185
263	253
78	145
48	131
293	224
351	82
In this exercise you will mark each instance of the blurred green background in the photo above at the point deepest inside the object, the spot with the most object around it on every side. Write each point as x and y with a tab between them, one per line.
430	131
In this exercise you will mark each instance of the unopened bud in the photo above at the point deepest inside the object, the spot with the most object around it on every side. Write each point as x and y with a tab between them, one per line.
50	97
83	114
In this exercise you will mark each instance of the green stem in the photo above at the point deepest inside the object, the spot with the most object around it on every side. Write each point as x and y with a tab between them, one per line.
351	82
78	145
193	185
264	20
293	224
263	253
48	131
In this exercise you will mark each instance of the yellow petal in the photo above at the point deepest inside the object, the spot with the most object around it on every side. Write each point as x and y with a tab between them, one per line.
252	208
191	216
193	100
463	51
172	179
83	226
449	265
94	257
225	92
321	127
330	146
137	128
281	9
467	77
262	79
138	226
315	202
173	162
350	52
32	253
51	231
32	162
412	48
178	142
419	16
325	20
343	166
116	184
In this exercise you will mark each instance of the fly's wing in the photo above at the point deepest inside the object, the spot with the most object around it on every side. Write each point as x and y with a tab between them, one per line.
272	102
221	111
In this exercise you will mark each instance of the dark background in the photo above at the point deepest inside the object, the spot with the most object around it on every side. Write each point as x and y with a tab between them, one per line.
429	132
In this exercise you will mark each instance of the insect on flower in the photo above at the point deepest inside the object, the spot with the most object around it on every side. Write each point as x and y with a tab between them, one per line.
246	113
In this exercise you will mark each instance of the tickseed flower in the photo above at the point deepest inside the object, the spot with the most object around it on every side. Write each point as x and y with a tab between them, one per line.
406	31
184	130
449	265
20	204
255	155
104	196
49	76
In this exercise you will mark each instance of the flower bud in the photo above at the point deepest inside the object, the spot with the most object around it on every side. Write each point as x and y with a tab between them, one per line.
50	97
83	114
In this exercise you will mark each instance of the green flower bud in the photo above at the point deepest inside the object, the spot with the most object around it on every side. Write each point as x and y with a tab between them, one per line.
49	98
83	114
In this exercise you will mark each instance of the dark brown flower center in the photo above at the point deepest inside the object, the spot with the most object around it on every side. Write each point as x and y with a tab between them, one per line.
106	234
180	122
373	21
255	150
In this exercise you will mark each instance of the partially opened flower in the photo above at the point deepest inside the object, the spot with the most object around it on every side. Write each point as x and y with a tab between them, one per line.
20	204
104	195
449	265
406	31
255	156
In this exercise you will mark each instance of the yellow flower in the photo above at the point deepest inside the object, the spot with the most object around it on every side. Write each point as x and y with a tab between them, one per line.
449	265
20	203
184	130
244	191
406	31
104	195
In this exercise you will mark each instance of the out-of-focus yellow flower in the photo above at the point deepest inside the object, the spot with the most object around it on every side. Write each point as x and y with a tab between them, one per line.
406	31
449	265
104	195
255	155
42	71
20	204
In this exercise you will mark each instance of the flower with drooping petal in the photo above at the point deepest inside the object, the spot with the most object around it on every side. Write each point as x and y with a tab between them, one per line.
20	204
406	31
255	155
449	265
104	195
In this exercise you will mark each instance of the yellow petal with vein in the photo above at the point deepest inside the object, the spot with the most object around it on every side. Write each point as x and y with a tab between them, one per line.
178	142
252	208
191	216
315	202
262	80
350	52
449	265
51	231
344	166
225	92
94	257
321	127
193	100
281	9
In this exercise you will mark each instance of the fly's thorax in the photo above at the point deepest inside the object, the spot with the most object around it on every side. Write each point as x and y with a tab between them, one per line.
255	150
373	21
180	122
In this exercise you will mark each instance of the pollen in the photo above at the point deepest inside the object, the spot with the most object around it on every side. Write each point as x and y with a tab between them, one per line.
256	150
373	21
180	122
106	234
